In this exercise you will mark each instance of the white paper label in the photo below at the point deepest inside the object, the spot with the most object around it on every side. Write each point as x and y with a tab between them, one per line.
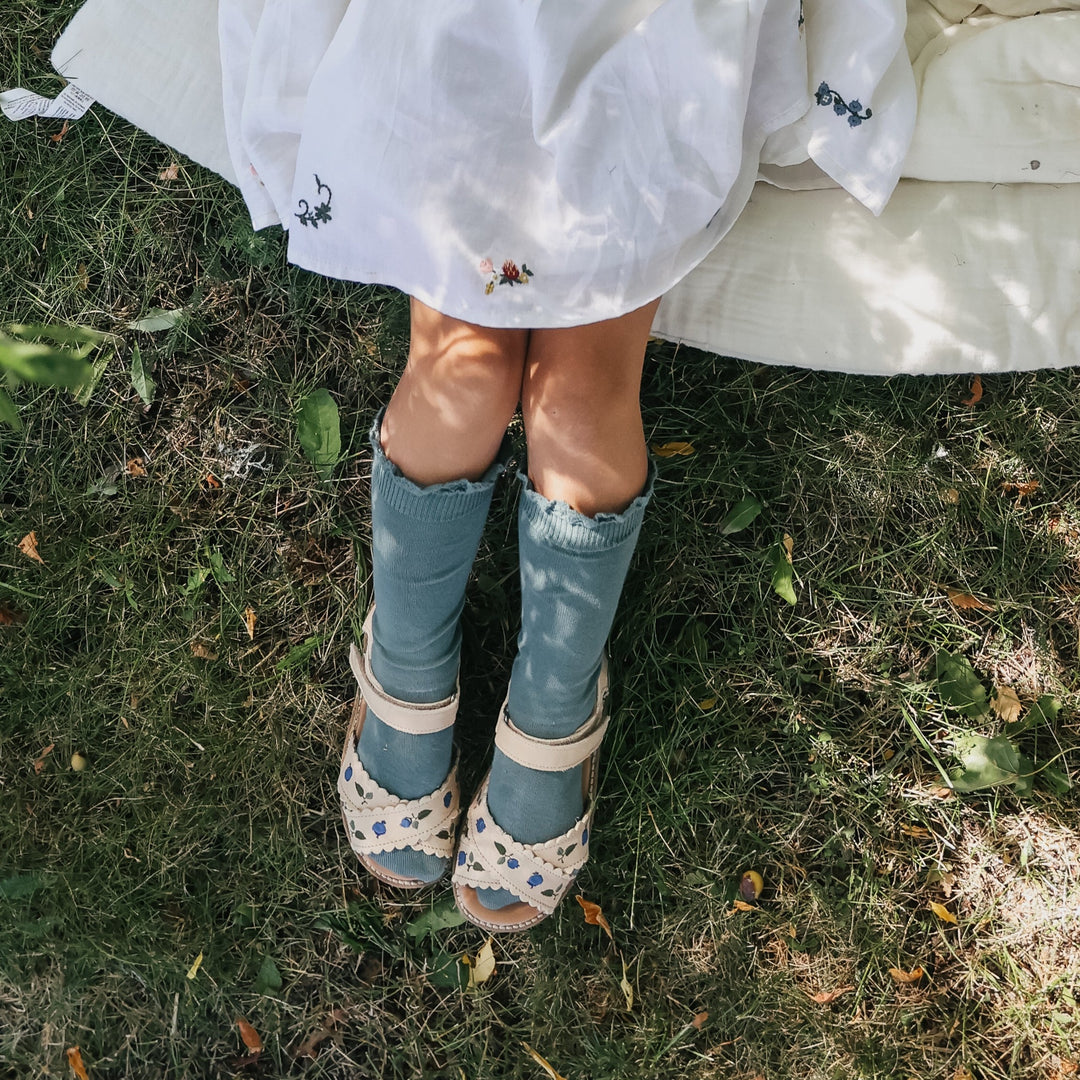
69	104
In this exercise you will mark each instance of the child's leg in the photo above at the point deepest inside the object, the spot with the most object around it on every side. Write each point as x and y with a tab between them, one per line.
579	521
432	477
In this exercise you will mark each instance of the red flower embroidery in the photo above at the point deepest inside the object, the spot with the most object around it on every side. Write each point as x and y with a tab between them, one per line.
510	271
510	274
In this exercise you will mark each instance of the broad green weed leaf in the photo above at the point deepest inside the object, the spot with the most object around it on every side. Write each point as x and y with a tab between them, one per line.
1044	711
959	686
1055	779
269	978
157	319
19	885
740	515
319	431
783	575
448	972
37	362
299	654
1025	776
8	413
140	378
82	337
222	574
985	762
442	916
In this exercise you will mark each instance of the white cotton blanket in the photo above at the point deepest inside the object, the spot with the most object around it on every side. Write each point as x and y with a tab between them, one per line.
953	276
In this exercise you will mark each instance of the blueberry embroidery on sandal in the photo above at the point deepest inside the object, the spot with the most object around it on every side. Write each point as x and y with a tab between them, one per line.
348	773
825	95
534	880
511	274
448	798
379	828
321	213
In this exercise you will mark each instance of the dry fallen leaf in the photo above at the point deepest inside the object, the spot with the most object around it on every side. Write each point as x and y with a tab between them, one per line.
40	763
789	546
249	622
28	546
962	1074
951	496
84	276
673	449
1006	704
543	1063
594	916
135	467
919	832
741	905
827	996
706	704
203	651
1028	487
965	600
10	617
483	967
170	172
250	1036
699	1019
312	1043
912	976
195	965
76	1062
976	392
61	133
942	912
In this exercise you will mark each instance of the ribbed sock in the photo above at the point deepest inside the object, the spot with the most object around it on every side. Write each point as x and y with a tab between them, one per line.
424	542
572	573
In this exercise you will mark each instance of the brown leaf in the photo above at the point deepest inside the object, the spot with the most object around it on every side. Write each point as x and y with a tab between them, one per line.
912	976
10	617
28	546
40	763
942	912
1026	488
950	495
76	1062
672	449
203	651
827	996
740	905
976	392
57	138
249	622
308	1047
543	1063
965	600
250	1036
594	916
84	276
789	546
1006	704
135	467
699	1019
170	172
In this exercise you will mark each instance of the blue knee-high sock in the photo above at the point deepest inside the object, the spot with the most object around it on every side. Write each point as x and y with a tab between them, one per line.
572	573
424	542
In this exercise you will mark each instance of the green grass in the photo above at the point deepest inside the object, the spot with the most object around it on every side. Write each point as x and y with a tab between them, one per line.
799	741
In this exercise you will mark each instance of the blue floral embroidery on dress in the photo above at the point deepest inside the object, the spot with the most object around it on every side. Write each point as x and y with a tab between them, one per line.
825	95
321	213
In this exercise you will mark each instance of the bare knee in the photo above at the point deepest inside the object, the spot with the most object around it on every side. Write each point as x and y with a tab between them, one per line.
460	388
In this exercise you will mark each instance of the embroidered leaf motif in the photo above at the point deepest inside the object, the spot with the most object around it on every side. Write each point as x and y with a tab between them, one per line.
499	848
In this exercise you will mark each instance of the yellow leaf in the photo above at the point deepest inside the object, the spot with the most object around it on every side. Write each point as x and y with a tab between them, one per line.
28	546
249	622
252	1039
917	831
76	1062
194	969
673	449
827	996
706	704
1006	704
203	651
789	546
170	172
1027	488
135	467
912	976
626	988
594	916
40	763
965	600
483	967
751	885
543	1063
741	905
942	912
950	495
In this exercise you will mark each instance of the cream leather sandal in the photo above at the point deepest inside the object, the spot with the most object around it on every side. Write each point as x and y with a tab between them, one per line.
538	874
375	820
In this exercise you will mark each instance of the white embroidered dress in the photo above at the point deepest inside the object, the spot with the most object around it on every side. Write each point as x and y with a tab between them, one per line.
542	163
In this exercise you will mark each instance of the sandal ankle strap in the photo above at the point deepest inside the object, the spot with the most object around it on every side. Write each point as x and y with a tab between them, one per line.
403	716
556	755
